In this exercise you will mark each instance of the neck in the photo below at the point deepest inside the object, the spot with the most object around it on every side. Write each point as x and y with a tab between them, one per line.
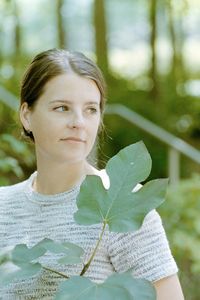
54	179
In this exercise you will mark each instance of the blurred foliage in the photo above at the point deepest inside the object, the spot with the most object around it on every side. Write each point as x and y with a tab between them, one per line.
11	163
177	114
180	214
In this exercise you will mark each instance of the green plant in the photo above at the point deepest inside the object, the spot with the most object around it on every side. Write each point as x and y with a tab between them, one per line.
180	215
98	205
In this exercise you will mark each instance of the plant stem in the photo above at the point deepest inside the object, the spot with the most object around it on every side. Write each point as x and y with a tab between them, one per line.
86	266
54	271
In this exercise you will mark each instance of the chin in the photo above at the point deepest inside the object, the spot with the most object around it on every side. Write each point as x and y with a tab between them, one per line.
73	160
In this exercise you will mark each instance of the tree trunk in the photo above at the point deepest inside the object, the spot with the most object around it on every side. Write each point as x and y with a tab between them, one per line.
153	31
100	36
16	56
174	63
1	52
176	35
60	25
17	30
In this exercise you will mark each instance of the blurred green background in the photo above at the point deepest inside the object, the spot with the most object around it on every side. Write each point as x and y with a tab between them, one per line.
149	53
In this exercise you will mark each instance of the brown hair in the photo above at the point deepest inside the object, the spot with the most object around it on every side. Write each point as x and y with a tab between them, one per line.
54	62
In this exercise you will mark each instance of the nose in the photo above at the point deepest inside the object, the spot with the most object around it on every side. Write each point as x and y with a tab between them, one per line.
76	120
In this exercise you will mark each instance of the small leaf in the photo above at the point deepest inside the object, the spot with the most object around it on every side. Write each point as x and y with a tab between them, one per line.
72	251
22	254
74	248
52	246
28	270
64	247
70	259
117	286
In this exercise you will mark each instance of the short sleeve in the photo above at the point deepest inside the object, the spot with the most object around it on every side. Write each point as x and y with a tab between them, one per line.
145	251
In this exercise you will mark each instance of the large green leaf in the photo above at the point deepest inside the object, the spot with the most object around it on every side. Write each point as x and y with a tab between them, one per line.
92	202
74	254
76	287
129	167
119	207
140	289
117	286
130	215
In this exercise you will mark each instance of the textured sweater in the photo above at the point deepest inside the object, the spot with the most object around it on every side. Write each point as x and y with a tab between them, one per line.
27	217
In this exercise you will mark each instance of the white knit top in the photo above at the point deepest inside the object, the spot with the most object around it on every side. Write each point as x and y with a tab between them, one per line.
27	217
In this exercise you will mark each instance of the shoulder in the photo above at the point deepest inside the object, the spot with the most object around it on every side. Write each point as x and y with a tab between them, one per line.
11	190
146	250
14	187
151	226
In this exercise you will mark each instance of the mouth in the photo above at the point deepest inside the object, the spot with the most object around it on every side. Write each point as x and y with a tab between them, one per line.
73	139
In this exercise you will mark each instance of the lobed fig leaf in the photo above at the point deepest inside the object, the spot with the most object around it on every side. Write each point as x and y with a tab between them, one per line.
121	208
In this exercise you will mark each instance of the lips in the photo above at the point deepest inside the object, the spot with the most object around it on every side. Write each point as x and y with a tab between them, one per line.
73	139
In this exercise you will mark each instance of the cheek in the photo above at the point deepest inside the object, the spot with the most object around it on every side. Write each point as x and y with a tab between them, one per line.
94	127
96	123
42	128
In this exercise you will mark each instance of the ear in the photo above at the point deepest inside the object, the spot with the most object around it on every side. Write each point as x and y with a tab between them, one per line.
24	115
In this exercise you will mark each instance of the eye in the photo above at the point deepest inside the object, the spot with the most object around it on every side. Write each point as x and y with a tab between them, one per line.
61	108
92	110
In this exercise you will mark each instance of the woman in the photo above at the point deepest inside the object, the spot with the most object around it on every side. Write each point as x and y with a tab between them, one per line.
62	101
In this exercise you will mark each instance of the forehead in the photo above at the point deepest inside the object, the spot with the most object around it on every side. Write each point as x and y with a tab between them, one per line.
71	87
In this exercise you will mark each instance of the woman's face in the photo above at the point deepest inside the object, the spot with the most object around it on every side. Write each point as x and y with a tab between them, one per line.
65	119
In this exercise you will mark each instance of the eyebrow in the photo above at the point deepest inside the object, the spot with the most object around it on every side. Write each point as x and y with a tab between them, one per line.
70	102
